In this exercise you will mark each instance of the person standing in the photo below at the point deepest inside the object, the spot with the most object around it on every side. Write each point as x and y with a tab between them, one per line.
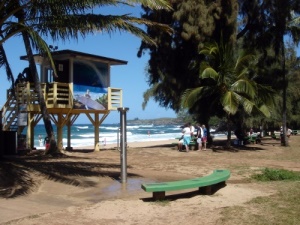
47	142
204	136
199	136
288	132
251	131
186	136
281	134
41	141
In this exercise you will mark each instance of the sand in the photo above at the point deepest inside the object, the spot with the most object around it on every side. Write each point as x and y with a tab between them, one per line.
85	187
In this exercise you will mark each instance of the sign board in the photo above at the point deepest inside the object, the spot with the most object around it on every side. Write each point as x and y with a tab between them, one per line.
90	84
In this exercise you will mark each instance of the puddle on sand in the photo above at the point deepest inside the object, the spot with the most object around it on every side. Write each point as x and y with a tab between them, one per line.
117	189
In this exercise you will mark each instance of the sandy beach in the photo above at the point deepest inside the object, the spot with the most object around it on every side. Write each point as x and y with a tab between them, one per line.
84	186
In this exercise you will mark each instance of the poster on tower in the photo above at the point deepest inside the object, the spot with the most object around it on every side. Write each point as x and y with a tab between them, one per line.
90	85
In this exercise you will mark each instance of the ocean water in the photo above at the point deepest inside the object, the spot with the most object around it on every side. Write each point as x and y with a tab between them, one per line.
83	134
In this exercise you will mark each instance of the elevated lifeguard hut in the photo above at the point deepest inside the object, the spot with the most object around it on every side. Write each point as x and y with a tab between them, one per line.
82	86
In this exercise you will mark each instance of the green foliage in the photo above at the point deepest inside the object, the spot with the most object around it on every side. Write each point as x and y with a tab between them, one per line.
293	93
214	121
103	100
231	82
276	175
194	22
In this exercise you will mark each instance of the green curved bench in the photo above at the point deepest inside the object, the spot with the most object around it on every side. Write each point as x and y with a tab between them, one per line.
205	184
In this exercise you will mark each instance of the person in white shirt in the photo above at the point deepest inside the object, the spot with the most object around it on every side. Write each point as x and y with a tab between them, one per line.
288	132
192	130
186	136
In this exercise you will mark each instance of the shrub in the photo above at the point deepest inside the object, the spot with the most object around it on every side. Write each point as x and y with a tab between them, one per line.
276	175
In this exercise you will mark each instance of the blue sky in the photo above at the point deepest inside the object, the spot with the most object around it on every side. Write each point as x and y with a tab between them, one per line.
131	77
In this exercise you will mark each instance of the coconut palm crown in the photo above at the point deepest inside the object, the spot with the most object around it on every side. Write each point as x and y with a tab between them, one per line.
230	78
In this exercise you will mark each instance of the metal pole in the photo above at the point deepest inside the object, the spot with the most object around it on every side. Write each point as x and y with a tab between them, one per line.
123	142
118	135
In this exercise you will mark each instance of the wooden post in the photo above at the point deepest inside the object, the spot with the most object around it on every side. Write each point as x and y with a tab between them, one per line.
96	128
30	131
69	135
59	131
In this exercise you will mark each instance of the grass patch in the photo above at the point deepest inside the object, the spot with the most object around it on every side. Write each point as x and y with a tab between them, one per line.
276	175
281	208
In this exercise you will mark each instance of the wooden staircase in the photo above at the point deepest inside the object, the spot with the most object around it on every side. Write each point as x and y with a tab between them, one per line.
10	113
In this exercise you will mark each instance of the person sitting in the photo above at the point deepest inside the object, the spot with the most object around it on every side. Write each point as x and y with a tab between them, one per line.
241	136
20	79
258	138
29	75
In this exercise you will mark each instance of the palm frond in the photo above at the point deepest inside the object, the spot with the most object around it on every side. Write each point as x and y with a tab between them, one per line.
244	86
244	61
4	62
264	109
247	104
39	44
230	102
210	50
74	25
83	5
190	97
209	72
148	94
266	95
154	4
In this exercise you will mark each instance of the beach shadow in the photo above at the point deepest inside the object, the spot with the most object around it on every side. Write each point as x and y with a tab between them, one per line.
80	150
236	149
15	180
16	174
161	146
92	150
220	146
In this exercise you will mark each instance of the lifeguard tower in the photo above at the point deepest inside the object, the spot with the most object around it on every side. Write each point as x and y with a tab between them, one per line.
82	86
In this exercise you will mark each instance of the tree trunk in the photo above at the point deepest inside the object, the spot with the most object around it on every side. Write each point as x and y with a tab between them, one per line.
46	118
228	142
284	141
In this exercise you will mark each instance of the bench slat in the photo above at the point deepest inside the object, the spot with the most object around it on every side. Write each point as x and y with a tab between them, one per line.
216	177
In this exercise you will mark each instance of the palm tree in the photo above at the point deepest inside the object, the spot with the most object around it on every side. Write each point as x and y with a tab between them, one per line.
66	20
227	81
